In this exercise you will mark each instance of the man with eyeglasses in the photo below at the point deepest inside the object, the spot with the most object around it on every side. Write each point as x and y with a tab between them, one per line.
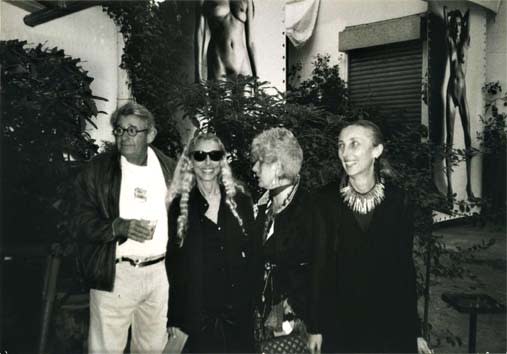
120	223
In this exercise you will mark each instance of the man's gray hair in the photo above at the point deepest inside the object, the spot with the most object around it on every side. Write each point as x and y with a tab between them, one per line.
136	109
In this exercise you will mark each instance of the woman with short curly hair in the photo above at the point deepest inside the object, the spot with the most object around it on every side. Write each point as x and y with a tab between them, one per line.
279	144
287	241
209	249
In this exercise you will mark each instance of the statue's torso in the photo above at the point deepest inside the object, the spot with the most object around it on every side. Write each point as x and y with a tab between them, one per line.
227	51
218	9
457	73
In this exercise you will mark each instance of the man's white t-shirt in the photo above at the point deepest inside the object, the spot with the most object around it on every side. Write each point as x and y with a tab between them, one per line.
142	196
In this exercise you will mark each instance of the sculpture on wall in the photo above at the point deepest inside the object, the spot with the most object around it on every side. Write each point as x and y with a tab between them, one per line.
224	40
458	42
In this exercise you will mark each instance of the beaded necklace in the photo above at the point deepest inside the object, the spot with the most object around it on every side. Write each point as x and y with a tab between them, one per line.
363	203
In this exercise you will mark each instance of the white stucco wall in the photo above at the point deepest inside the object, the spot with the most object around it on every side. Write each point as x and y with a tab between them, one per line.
269	30
89	35
335	15
496	47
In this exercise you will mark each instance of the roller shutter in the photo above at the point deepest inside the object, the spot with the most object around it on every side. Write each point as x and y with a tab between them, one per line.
389	77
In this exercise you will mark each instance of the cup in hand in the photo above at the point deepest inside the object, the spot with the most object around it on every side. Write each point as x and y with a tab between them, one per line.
150	225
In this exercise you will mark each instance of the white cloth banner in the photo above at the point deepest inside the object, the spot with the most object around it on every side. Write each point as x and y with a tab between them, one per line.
300	18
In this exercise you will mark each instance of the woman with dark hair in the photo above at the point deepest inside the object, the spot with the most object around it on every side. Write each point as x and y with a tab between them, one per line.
371	298
287	246
208	251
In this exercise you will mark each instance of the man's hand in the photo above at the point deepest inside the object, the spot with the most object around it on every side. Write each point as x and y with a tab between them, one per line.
314	343
137	230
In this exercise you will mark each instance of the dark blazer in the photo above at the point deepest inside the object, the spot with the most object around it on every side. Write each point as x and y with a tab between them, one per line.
296	248
96	205
185	265
370	285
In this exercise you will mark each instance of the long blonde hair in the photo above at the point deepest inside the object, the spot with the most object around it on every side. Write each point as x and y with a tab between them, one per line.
184	180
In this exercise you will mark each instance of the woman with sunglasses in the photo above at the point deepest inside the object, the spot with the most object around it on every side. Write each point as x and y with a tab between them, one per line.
209	250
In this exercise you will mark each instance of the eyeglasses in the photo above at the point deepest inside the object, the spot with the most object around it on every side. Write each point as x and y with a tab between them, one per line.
131	131
214	155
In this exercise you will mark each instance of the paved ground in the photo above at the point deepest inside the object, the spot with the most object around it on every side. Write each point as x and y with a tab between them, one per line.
488	276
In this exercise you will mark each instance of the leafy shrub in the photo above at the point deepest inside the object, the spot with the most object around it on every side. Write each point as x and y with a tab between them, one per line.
46	103
153	56
237	116
325	88
493	142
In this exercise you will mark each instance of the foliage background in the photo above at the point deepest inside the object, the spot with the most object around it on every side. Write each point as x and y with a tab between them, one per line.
153	57
46	103
493	145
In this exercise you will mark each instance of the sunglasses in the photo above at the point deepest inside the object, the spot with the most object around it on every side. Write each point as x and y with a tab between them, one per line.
131	131
214	155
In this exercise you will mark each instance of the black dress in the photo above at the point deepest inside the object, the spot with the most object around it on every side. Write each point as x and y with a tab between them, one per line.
375	302
210	277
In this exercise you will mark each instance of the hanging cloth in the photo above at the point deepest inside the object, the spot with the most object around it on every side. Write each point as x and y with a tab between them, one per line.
300	18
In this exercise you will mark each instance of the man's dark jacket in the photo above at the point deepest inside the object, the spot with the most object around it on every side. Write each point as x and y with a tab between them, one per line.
97	193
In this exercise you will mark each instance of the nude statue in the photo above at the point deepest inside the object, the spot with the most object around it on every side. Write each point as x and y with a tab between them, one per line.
229	50
458	41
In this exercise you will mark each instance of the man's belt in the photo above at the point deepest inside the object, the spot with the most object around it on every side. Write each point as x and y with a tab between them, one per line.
140	262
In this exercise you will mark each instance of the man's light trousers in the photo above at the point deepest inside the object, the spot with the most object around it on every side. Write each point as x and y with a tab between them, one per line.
139	299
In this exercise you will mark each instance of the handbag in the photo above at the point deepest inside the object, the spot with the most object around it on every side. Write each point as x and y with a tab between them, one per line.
288	344
294	342
268	343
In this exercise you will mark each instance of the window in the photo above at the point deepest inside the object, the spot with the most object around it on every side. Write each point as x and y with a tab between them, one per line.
389	77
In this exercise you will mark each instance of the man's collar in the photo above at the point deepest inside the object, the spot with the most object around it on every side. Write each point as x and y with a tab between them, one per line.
151	158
